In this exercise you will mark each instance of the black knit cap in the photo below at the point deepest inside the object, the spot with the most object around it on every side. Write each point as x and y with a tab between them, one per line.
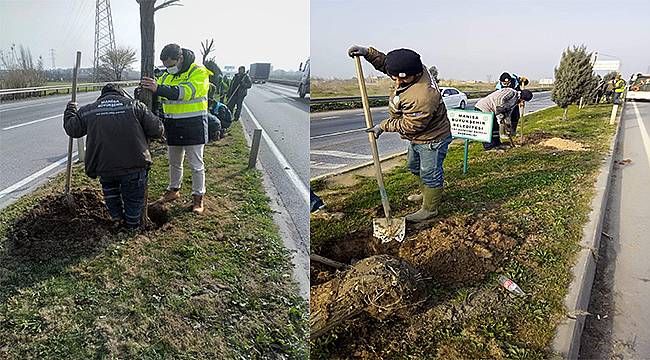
505	76
112	88
403	62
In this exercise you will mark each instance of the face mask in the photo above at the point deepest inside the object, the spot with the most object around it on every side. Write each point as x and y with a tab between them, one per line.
173	70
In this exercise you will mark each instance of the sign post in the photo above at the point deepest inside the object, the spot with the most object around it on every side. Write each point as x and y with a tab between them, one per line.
465	158
470	125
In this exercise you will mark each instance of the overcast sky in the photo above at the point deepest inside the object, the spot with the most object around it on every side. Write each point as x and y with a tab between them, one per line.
471	39
245	31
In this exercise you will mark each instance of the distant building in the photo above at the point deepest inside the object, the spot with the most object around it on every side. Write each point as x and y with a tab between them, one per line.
546	81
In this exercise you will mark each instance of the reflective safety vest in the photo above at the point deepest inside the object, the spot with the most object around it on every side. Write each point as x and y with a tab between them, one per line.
619	86
193	86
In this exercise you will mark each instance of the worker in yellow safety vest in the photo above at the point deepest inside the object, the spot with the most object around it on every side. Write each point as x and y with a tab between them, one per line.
183	91
619	87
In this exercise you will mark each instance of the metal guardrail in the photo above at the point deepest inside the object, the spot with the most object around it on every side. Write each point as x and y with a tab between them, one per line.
56	88
340	99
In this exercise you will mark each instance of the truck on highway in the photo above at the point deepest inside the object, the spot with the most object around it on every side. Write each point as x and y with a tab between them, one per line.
303	87
259	72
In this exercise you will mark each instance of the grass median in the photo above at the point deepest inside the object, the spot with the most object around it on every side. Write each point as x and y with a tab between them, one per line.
518	213
213	286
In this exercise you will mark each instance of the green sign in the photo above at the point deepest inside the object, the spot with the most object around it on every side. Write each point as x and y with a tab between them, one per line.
471	125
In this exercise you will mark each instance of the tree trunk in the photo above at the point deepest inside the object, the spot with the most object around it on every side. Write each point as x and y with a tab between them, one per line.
566	112
147	32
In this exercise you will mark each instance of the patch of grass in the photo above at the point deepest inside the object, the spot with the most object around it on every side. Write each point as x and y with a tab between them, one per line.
211	287
542	193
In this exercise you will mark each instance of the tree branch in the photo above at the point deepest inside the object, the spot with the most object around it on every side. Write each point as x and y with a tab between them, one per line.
167	3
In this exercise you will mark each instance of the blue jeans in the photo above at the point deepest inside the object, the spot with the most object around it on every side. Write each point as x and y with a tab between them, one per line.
124	196
426	161
617	97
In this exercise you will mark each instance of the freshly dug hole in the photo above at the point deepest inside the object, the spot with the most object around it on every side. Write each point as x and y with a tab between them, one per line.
158	214
50	230
378	286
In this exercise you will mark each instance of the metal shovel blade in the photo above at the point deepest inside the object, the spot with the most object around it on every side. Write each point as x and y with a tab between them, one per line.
388	230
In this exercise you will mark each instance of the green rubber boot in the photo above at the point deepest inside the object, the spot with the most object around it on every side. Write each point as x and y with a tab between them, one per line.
431	199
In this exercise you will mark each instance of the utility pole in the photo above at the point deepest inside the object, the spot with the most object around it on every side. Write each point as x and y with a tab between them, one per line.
52	56
104	35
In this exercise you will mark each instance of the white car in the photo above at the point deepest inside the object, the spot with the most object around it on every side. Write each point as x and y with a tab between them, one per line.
639	87
453	98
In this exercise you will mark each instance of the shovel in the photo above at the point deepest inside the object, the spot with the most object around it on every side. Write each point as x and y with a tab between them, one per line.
68	173
385	229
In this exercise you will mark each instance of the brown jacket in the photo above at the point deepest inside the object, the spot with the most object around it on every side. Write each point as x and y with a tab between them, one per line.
416	110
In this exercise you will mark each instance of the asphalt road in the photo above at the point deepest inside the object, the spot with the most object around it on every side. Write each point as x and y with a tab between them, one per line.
338	141
618	325
283	154
33	143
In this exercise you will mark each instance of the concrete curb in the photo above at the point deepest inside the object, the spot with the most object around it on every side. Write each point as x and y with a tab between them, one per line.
566	343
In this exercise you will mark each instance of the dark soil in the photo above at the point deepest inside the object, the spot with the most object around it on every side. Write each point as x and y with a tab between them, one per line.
536	137
51	230
456	252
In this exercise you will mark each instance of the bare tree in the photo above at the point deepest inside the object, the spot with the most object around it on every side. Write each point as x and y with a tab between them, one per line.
147	34
115	61
206	48
20	69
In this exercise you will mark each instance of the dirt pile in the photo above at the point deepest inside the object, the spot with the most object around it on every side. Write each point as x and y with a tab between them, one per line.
456	252
378	286
460	250
563	144
50	230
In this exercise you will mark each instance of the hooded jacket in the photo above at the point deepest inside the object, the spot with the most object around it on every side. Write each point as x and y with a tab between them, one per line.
117	129
500	102
416	110
239	86
184	98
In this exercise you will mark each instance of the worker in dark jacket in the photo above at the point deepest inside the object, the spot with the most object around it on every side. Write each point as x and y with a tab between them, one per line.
117	150
507	80
419	115
501	103
237	91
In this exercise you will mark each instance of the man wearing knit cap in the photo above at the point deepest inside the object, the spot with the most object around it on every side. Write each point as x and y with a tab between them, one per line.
418	114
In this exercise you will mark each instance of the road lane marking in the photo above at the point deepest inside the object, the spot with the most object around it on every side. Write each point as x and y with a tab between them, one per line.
293	176
325	166
644	132
30	105
341	154
284	91
330	117
32	122
336	133
34	176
